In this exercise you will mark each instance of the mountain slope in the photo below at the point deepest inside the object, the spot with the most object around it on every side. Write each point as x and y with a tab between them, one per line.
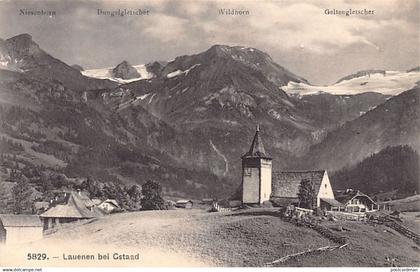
393	168
395	122
331	111
54	129
22	54
214	99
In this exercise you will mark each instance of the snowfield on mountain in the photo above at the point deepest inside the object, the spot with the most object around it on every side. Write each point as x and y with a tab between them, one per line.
106	73
387	83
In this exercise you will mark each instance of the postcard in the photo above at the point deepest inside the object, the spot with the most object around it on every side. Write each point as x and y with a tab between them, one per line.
214	134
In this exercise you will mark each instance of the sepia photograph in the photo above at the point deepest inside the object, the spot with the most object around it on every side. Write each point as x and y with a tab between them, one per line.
274	134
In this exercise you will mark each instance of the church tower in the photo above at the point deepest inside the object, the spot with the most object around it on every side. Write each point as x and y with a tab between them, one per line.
256	173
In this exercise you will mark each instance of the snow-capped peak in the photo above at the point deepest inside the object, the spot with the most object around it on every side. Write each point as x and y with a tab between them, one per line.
106	73
386	82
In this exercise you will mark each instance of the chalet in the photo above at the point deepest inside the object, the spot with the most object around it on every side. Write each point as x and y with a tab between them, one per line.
109	206
16	229
73	207
356	201
260	184
183	203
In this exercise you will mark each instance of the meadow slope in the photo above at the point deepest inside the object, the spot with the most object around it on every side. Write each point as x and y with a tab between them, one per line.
250	237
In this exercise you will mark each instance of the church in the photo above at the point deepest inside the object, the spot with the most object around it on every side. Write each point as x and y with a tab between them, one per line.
260	183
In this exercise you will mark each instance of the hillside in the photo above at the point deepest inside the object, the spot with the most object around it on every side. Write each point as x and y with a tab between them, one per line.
393	168
396	122
60	132
198	238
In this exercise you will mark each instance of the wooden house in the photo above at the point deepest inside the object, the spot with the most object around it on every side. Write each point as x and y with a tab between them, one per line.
184	203
16	229
109	206
356	201
73	207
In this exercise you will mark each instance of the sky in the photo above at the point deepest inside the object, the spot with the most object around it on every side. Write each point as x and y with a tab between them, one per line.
298	35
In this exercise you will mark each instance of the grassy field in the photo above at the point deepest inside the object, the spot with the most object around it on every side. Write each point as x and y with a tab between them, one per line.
250	237
411	203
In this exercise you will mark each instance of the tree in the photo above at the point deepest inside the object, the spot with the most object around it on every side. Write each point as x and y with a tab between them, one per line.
152	199
21	194
135	193
93	187
306	194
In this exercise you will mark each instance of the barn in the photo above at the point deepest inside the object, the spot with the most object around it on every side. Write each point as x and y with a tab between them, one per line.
16	229
184	203
285	187
73	207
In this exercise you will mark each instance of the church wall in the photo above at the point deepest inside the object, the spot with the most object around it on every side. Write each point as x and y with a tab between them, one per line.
266	180
325	190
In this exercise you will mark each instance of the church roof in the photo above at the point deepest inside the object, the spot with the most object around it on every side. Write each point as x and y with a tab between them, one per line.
286	184
257	149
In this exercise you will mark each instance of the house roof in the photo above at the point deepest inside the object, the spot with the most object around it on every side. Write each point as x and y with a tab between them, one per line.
286	184
347	196
332	202
183	201
74	208
257	149
20	220
83	196
113	202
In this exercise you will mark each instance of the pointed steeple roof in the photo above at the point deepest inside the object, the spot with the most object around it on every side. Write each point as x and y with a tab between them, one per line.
257	149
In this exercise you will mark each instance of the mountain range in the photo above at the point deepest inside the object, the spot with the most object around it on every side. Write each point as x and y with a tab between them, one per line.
187	122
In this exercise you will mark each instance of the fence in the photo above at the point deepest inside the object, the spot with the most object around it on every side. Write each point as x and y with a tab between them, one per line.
216	208
347	215
404	231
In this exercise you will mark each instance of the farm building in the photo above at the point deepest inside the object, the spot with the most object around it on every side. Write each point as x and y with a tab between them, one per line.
183	203
260	184
356	201
109	206
285	187
73	207
16	229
